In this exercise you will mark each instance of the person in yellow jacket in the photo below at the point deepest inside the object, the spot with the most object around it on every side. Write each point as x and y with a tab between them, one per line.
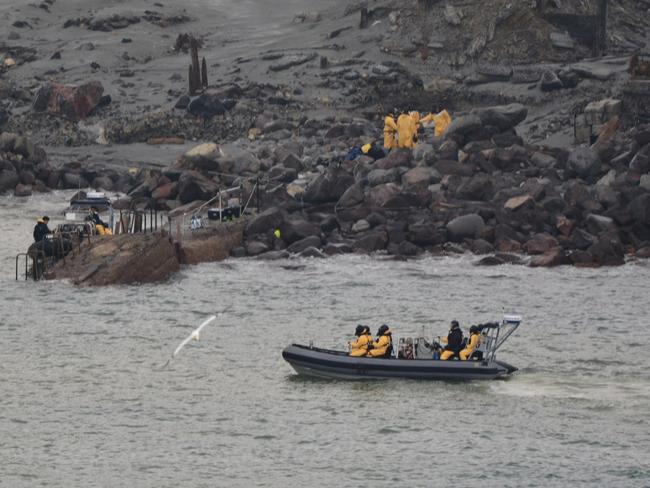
383	346
407	130
100	226
440	121
359	346
390	131
472	344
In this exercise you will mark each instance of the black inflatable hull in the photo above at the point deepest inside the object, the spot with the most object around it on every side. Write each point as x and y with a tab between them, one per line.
324	363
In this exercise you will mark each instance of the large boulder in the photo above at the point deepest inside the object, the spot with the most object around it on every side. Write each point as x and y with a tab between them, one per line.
328	186
270	219
395	158
608	250
640	209
295	230
420	177
8	179
374	241
302	244
381	176
192	185
381	195
478	187
464	125
204	156
599	223
121	259
540	244
352	196
585	163
206	105
426	234
465	227
502	116
553	257
73	102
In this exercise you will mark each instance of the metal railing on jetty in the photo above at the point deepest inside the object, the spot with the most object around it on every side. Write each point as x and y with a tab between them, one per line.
226	206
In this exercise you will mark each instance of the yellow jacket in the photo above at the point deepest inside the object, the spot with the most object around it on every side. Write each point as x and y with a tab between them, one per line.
390	129
472	344
407	129
359	347
442	121
380	346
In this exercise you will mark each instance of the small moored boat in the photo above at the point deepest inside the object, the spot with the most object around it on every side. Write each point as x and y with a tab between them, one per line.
331	364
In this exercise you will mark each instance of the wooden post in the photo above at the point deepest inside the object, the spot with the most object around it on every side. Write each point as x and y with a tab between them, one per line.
190	77
204	74
196	68
363	21
600	37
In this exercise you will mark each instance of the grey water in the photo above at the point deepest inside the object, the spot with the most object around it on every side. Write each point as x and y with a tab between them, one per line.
85	399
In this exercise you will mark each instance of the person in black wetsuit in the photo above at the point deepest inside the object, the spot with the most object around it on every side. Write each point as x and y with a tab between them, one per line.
41	229
454	342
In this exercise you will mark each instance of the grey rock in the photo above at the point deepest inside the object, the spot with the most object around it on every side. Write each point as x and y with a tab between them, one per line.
382	176
599	223
253	248
295	230
270	219
465	227
550	81
312	252
464	125
360	226
302	244
328	187
352	196
502	116
584	162
421	177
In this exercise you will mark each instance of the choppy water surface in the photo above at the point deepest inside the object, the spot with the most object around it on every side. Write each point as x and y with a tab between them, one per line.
85	400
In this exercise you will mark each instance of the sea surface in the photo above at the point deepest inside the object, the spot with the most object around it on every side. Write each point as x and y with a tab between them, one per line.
87	401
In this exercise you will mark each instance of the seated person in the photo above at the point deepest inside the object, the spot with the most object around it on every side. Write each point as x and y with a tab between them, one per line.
359	347
100	225
454	342
472	344
383	346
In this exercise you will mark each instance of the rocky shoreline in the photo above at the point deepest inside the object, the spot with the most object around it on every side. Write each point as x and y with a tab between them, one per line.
515	173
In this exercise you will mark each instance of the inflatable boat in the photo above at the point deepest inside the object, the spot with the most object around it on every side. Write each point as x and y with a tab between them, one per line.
332	364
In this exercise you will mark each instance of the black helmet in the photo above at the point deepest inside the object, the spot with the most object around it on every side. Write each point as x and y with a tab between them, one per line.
359	330
366	329
383	329
455	324
474	329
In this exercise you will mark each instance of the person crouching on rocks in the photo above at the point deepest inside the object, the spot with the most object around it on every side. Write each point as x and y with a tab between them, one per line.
383	346
359	347
100	226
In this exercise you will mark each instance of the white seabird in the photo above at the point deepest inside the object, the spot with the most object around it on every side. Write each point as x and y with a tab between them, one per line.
194	335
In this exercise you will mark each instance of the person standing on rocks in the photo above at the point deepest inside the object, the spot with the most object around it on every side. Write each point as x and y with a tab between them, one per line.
41	230
407	130
390	132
